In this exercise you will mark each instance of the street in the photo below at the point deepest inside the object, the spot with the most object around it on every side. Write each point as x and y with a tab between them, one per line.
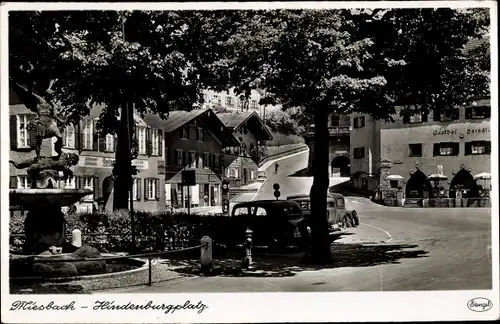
393	249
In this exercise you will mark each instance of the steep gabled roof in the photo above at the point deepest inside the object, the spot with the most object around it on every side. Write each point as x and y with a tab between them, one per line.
207	118
236	120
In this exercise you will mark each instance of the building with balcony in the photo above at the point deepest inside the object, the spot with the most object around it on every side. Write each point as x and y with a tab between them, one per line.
97	156
452	145
241	160
339	128
194	140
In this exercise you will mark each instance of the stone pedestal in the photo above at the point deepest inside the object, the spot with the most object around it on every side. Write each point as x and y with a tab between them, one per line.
44	227
385	171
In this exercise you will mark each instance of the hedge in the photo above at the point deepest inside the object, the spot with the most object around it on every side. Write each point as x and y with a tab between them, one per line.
111	232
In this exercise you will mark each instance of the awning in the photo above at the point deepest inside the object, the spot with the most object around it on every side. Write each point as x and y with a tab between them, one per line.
394	177
483	176
437	176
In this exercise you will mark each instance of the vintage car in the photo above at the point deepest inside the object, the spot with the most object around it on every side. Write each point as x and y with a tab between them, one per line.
275	224
339	218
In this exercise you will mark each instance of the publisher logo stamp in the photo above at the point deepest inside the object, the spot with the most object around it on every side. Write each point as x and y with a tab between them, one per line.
479	304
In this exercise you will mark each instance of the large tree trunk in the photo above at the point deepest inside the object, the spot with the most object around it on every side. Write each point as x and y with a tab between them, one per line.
320	248
123	167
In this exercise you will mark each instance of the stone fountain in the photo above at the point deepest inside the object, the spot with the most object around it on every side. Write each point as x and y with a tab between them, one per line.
44	225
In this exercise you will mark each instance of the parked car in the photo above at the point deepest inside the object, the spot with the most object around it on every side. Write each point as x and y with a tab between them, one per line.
339	218
261	176
275	224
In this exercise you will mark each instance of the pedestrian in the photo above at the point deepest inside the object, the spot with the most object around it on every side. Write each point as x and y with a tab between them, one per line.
276	166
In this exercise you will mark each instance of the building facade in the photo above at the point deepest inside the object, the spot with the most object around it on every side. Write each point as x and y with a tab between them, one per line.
339	128
97	156
413	153
194	140
241	161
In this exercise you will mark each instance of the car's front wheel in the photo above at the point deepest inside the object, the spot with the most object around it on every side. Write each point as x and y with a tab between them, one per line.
355	218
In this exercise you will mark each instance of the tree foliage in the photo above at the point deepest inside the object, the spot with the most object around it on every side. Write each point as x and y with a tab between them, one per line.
366	61
284	123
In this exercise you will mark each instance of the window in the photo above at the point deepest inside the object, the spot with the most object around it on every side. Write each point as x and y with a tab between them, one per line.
229	101
110	143
155	138
178	157
478	112
340	202
240	211
335	120
447	114
186	132
259	211
135	189
359	152
199	134
415	149
22	130
446	149
478	148
218	99
88	183
22	182
216	161
88	133
206	162
240	103
394	183
192	160
252	174
254	104
69	136
359	122
167	156
150	192
141	138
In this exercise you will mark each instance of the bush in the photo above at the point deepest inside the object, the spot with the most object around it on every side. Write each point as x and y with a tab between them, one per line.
111	232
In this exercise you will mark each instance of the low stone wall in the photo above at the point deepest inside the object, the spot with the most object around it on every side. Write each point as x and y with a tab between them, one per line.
276	152
443	203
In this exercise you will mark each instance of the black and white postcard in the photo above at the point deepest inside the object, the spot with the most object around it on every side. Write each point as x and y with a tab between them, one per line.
225	162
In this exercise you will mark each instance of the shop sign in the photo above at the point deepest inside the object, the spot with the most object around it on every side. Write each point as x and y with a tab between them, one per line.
99	162
467	131
341	152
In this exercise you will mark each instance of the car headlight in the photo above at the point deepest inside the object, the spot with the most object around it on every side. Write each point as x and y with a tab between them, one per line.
308	229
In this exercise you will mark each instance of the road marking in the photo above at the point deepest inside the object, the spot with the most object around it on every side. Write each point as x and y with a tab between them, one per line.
389	236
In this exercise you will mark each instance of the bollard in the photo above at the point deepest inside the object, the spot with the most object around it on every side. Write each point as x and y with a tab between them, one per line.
206	255
76	238
247	260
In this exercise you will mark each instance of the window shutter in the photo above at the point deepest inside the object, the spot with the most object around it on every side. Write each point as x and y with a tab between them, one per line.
468	113
456	148
13	182
115	142
138	188
196	160
157	189
149	143
13	132
95	135
78	184
406	118
221	162
488	147
146	192
78	143
437	115
436	149
160	142
102	143
468	148
167	156
95	183
183	158
80	135
135	135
